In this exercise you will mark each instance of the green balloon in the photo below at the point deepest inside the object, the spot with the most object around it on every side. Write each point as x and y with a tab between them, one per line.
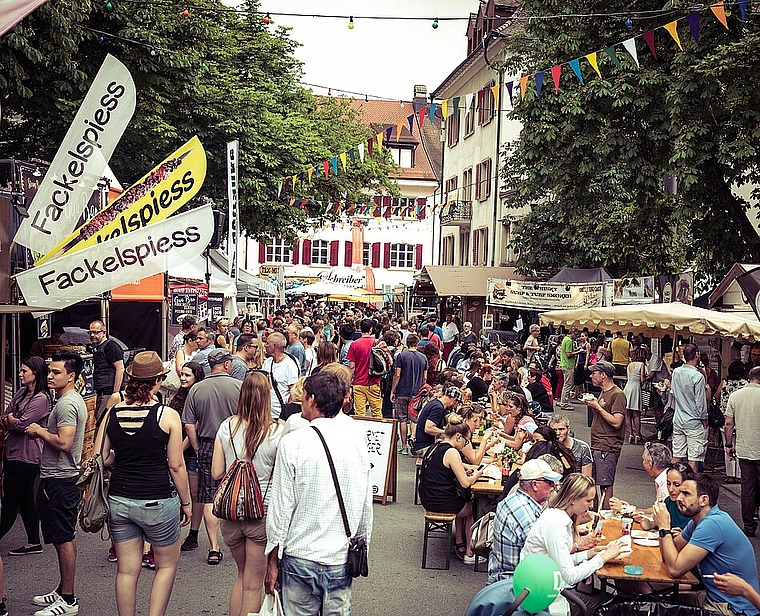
540	575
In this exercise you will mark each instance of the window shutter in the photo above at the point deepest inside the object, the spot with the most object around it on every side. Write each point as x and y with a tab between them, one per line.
262	252
475	238
418	256
334	253
477	182
306	254
294	256
348	254
376	254
387	255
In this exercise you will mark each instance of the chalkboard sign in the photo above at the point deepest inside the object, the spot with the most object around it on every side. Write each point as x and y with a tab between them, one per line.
183	303
88	367
215	306
380	436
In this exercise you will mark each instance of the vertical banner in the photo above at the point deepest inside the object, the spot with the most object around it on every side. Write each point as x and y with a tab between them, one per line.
232	197
81	159
13	11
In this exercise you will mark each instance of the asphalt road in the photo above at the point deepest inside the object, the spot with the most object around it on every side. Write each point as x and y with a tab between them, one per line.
396	584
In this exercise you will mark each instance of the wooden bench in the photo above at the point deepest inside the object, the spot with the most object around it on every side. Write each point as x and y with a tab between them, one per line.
417	473
438	526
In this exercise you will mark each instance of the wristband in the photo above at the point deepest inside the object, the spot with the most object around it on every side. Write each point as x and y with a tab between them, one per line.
185	504
665	531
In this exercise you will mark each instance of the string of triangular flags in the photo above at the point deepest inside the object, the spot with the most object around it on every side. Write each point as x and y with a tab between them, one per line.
693	19
382	207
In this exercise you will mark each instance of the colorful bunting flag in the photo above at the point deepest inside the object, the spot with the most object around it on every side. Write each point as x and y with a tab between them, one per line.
495	92
295	179
310	172
360	147
576	66
610	51
445	109
334	161
352	156
720	13
591	57
694	20
649	38
410	120
422	118
279	190
510	85
468	98
743	9
556	72
432	111
399	128
388	133
371	146
630	47
343	160
379	138
673	31
523	86
455	102
539	82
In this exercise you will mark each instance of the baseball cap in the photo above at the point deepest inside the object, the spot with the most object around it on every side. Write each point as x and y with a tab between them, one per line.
218	356
453	393
538	469
603	366
527	423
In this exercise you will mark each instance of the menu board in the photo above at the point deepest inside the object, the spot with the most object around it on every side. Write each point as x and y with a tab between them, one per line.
380	437
215	306
187	299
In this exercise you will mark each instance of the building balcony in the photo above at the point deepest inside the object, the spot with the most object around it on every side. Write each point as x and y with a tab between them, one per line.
457	214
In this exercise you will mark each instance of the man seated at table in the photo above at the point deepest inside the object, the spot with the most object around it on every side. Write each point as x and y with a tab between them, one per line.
515	516
432	419
655	459
711	541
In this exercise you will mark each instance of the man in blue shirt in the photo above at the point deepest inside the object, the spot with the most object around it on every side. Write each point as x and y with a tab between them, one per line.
409	371
690	404
711	541
432	419
515	516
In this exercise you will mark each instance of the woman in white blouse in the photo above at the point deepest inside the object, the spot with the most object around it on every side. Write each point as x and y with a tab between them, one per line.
555	535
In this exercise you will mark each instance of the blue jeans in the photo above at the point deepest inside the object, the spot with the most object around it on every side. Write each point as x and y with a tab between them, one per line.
309	588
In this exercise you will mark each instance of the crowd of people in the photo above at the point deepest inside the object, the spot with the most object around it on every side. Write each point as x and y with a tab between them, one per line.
246	389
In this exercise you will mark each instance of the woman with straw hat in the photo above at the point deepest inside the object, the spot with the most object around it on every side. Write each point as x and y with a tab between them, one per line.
149	496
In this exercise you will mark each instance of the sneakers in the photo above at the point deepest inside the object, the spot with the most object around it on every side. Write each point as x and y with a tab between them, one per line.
47	599
190	543
23	550
403	451
148	561
112	558
469	560
59	608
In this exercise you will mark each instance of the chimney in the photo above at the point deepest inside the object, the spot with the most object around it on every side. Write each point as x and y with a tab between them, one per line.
420	98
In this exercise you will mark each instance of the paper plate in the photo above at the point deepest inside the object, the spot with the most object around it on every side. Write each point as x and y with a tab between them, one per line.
644	534
647	543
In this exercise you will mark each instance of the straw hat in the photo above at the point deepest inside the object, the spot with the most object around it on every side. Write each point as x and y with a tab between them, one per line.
146	365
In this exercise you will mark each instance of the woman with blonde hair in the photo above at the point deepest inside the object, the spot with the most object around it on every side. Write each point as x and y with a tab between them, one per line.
250	434
555	534
445	482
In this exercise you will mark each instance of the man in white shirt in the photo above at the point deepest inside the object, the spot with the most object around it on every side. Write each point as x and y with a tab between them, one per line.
450	332
656	459
283	370
307	546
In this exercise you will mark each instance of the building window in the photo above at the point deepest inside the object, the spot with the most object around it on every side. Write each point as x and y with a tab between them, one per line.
452	129
403	157
320	252
469	119
402	255
483	180
447	250
467	185
480	247
451	189
486	104
464	248
366	254
278	251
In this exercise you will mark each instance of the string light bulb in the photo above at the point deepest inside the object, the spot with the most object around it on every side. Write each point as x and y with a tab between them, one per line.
329	91
185	13
366	98
351	22
628	21
267	19
435	24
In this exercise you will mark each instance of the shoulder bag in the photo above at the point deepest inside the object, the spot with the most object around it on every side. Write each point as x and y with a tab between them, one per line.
93	508
482	535
238	497
357	547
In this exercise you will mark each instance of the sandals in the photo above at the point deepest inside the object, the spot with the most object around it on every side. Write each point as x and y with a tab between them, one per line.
459	551
214	557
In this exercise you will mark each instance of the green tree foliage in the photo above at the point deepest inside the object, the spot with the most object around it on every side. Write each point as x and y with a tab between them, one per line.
591	158
217	73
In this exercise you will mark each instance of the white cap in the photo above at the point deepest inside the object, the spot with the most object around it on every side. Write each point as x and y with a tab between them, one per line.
538	469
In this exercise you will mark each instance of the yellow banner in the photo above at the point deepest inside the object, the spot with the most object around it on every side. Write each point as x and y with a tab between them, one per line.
155	197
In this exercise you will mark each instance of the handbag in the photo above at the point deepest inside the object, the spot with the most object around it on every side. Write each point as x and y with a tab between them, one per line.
238	497
482	535
715	417
356	565
270	605
93	508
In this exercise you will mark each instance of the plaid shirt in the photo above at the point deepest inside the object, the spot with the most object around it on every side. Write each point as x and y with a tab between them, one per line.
515	516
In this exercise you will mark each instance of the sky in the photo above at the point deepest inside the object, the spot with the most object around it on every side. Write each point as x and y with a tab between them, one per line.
378	58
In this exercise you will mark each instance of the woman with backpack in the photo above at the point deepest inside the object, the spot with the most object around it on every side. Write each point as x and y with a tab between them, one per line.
251	435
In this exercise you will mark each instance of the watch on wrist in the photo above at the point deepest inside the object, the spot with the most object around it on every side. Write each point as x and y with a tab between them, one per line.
665	531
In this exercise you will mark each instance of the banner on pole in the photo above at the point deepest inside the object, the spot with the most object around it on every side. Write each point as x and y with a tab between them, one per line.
232	197
544	295
81	159
155	197
121	260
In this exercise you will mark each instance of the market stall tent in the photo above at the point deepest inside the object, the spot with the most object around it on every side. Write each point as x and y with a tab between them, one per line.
656	320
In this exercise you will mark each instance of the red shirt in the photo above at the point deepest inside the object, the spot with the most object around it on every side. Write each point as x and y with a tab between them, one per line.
360	352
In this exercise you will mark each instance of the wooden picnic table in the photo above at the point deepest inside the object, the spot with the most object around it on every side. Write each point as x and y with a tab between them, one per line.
649	558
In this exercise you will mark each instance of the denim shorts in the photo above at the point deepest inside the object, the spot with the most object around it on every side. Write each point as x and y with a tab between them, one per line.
191	461
155	520
310	588
57	503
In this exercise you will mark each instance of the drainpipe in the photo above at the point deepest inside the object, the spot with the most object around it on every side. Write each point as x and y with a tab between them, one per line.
496	170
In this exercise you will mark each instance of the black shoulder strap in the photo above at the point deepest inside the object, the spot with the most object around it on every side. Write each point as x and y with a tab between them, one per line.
335	480
274	384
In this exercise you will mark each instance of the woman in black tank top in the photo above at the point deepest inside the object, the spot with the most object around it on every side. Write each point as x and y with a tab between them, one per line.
149	496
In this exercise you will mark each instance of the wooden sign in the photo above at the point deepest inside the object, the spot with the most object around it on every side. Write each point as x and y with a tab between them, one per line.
380	436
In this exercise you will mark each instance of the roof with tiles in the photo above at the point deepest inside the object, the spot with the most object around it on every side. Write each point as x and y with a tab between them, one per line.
381	115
